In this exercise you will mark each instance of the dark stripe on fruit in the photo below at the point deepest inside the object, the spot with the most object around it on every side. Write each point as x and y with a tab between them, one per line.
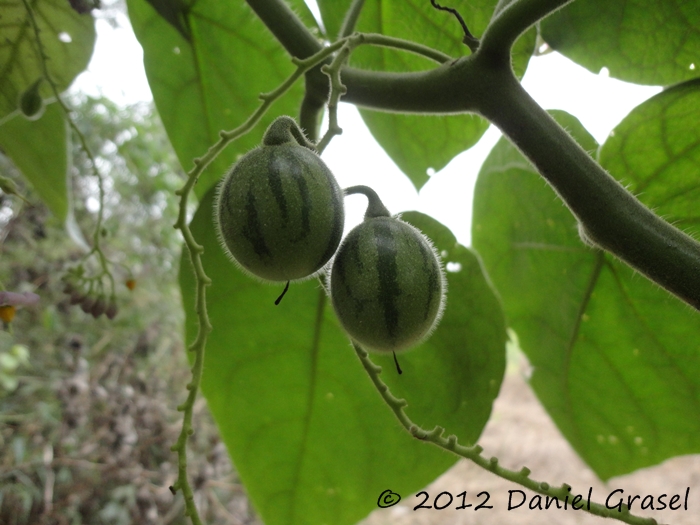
306	204
276	167
340	271
389	288
354	249
251	229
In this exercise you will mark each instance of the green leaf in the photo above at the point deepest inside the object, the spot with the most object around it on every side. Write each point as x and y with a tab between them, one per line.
418	142
39	148
175	13
310	436
333	14
615	357
655	151
67	38
211	81
643	41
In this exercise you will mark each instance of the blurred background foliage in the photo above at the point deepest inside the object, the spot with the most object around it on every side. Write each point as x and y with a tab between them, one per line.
87	407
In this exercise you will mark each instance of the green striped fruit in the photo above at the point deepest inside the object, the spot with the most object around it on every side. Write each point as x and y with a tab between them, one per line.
387	285
279	211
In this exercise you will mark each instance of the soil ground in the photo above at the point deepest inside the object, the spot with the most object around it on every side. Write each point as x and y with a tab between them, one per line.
521	433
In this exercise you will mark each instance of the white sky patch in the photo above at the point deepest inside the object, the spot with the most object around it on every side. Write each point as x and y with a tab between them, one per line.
598	101
116	68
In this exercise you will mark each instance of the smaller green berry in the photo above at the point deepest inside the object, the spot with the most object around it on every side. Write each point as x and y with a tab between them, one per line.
387	283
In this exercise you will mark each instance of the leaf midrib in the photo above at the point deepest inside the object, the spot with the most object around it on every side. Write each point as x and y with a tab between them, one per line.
313	372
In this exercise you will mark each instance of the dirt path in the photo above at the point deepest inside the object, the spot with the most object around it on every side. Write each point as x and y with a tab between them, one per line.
521	433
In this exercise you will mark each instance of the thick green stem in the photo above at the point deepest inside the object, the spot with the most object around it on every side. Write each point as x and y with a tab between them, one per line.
610	216
351	17
300	43
406	92
288	29
443	90
312	106
512	19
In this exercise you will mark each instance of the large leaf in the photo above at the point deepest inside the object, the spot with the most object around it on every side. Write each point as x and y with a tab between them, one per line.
39	149
418	142
67	39
208	79
643	41
616	361
310	436
656	152
421	143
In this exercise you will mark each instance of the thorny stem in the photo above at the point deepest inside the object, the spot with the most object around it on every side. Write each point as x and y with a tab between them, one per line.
473	453
96	249
333	70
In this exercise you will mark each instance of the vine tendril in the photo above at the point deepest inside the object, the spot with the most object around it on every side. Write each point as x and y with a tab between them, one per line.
96	236
473	453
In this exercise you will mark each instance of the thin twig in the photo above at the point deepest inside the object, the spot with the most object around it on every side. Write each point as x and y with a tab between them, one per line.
469	40
96	249
351	17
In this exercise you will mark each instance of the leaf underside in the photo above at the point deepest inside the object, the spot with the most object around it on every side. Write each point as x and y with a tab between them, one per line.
67	38
616	359
652	42
310	436
209	80
39	148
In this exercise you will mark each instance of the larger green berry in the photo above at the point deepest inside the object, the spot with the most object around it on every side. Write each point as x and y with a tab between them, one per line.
279	210
387	284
